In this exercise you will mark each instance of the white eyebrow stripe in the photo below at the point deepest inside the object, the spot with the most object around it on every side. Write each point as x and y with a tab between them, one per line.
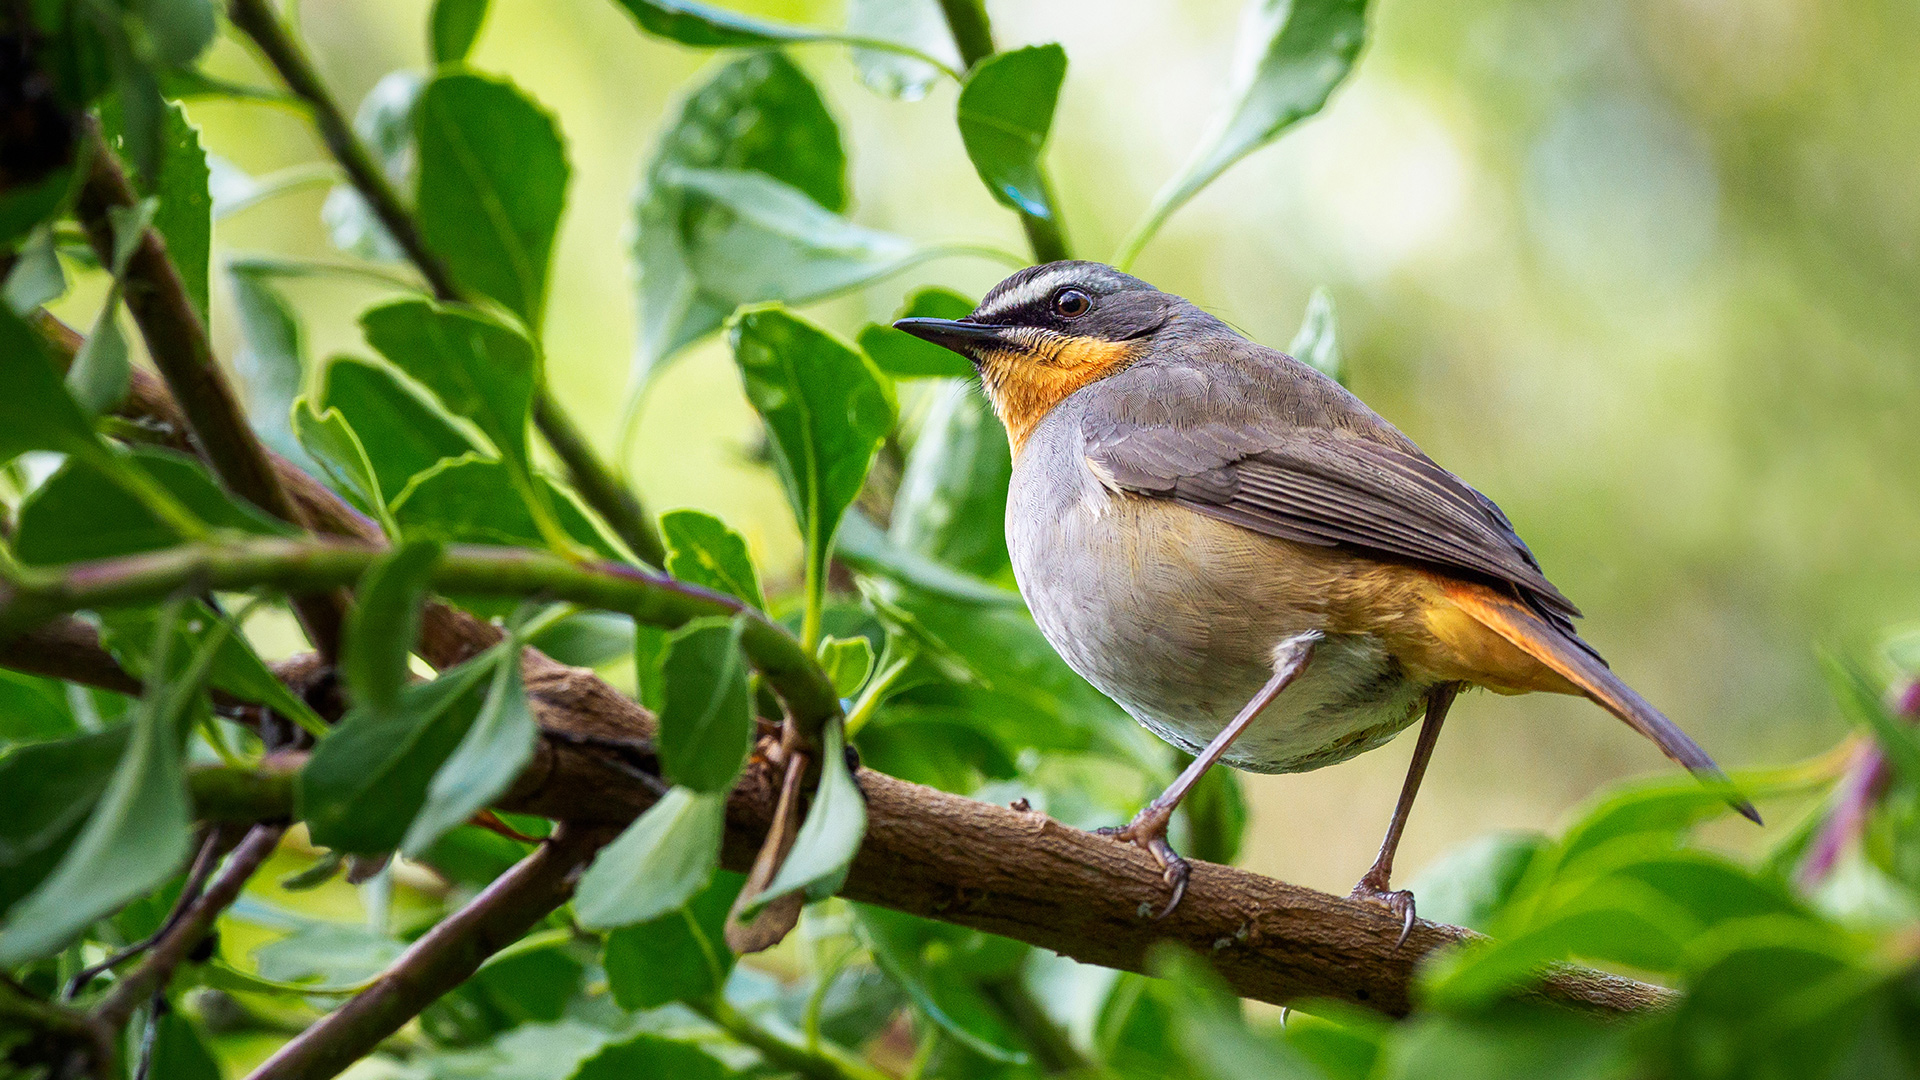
1027	292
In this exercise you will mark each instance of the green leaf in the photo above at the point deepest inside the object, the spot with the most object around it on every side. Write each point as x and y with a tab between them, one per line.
404	432
863	546
185	215
918	23
26	208
952	501
487	761
1215	815
36	412
37	277
177	31
706	716
831	833
680	956
136	837
179	1051
80	513
478	367
1514	1040
1317	345
847	662
904	356
758	113
658	864
493	181
587	639
47	792
1469	885
333	446
469	501
453	27
101	373
32	708
775	243
235	668
384	623
1860	700
366	781
826	411
1629	927
1209	1029
703	551
923	957
325	955
709	26
651	1055
1292	53
1006	108
272	355
384	123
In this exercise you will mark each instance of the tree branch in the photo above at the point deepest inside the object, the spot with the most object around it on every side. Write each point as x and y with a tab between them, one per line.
177	341
590	476
133	991
973	35
447	956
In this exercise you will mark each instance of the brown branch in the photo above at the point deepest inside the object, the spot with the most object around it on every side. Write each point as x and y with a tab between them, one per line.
177	341
133	991
590	476
447	956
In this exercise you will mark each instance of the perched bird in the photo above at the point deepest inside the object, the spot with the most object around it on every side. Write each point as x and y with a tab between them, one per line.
1243	555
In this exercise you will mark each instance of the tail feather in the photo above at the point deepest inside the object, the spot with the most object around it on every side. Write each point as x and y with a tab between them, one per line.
1580	665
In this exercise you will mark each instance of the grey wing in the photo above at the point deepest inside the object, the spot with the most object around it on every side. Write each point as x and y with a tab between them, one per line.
1325	487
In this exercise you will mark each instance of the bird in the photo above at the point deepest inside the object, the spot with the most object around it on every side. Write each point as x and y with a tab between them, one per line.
1247	558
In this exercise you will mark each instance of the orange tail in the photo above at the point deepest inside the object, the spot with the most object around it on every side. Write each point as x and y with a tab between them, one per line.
1571	660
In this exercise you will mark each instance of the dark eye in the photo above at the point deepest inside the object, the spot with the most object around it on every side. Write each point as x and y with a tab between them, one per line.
1071	303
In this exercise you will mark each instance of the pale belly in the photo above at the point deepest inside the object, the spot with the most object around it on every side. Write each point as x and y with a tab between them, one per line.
1175	616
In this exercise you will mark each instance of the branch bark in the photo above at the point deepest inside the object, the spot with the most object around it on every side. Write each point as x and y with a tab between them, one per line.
591	477
447	956
177	341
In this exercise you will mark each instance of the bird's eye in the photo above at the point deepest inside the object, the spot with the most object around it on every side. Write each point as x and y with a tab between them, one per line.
1071	303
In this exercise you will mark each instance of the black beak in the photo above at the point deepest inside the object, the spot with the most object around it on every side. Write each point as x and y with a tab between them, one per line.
965	338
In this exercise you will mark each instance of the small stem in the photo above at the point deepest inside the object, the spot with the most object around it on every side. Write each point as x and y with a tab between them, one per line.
280	182
828	1062
289	267
1149	224
875	693
615	501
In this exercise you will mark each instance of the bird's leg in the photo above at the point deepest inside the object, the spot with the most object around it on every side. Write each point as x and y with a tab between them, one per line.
1149	827
1376	885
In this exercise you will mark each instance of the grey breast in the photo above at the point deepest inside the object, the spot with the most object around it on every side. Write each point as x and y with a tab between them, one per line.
1175	615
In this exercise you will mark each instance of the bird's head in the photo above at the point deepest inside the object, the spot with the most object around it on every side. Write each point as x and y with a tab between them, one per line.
1049	330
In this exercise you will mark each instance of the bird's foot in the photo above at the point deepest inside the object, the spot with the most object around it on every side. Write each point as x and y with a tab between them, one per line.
1148	830
1397	901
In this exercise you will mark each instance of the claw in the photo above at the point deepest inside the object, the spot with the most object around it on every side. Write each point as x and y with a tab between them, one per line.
1149	832
1399	902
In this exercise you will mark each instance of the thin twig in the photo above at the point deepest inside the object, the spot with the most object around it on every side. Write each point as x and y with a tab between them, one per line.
445	957
211	848
130	992
591	477
177	340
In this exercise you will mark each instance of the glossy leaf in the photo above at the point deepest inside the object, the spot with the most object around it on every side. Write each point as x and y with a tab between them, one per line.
384	123
703	551
647	1054
33	708
471	501
365	782
47	792
80	513
1470	884
951	504
1317	345
847	662
1210	1031
711	26
904	356
478	367
587	639
404	432
337	452
775	243
235	667
706	715
452	28
184	217
918	23
272	356
1625	929
101	373
36	412
135	838
493	181
830	836
826	410
487	761
1006	109
37	277
863	546
658	864
758	113
921	956
179	1051
384	623
680	956
1291	55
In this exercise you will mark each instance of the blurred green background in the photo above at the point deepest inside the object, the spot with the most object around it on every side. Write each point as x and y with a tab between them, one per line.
1648	274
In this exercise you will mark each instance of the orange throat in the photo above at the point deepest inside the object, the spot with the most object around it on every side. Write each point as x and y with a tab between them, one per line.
1025	385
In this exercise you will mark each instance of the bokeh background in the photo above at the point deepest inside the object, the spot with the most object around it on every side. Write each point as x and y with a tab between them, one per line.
1646	273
